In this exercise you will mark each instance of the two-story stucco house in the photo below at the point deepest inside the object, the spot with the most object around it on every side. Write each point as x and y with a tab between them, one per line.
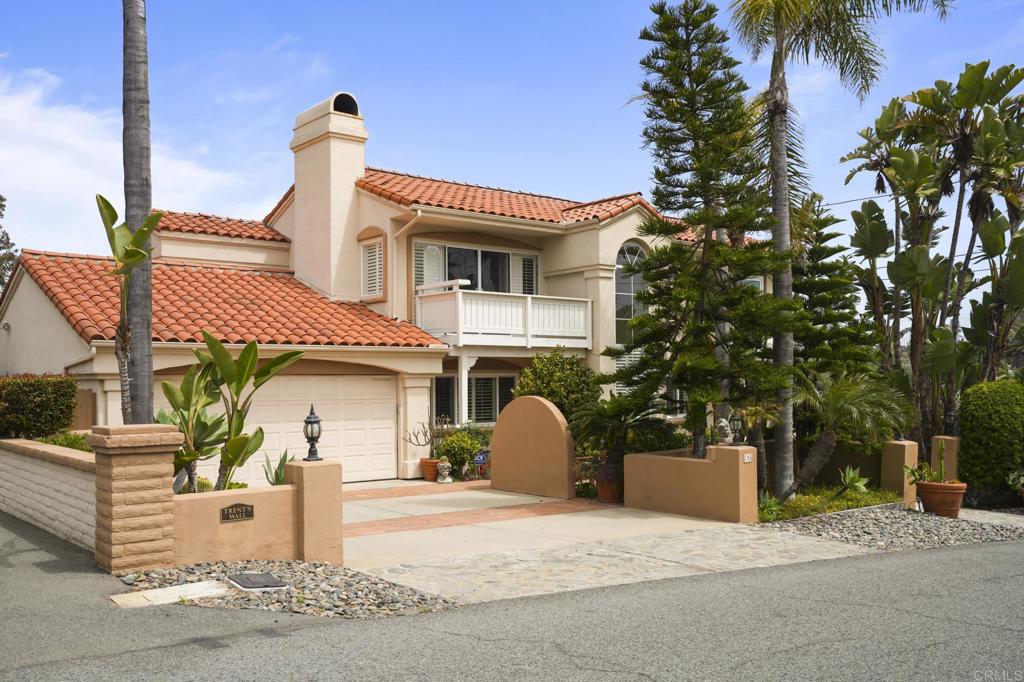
412	298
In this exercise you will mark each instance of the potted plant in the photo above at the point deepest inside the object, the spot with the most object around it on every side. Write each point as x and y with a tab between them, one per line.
938	496
607	424
423	436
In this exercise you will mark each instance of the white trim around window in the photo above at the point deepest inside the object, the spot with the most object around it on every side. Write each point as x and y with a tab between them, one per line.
488	395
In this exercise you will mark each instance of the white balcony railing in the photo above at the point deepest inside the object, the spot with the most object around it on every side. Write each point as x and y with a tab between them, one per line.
466	317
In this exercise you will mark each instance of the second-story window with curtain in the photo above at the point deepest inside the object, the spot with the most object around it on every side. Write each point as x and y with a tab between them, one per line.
626	287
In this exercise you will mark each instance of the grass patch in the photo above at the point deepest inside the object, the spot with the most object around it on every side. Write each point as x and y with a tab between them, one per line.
822	500
67	439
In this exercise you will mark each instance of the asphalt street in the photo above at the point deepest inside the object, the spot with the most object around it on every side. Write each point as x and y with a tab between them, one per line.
949	614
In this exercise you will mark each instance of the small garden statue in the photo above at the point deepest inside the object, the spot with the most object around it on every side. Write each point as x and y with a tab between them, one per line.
724	431
444	470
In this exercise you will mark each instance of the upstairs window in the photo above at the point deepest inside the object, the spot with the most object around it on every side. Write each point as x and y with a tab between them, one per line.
627	285
373	268
500	271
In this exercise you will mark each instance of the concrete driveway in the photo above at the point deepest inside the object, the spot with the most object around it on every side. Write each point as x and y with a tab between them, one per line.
473	544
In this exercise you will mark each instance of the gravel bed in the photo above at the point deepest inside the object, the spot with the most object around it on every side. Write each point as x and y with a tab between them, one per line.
897	529
312	588
1019	511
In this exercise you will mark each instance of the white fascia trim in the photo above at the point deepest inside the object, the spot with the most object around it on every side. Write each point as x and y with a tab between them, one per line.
456	215
434	349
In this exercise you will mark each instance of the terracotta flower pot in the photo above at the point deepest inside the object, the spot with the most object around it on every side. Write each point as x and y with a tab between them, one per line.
429	467
942	499
610	491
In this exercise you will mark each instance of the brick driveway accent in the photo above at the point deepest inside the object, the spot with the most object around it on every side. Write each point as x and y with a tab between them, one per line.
473	516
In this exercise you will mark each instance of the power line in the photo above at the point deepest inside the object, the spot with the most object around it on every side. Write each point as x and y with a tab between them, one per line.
850	201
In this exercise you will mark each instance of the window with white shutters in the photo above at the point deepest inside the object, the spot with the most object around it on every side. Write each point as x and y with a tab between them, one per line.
523	274
373	268
428	263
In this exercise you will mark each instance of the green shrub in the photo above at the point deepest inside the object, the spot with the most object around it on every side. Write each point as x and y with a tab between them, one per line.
67	439
34	405
818	500
992	432
657	437
560	378
460	448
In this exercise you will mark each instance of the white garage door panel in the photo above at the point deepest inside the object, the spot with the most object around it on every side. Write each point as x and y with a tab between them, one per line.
357	415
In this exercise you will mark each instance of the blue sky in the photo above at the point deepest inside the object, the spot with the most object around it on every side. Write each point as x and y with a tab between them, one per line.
527	95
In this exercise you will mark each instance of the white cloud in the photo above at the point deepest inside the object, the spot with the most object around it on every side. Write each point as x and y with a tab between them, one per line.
55	156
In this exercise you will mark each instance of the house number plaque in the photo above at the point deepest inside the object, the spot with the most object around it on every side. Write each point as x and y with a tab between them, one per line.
236	512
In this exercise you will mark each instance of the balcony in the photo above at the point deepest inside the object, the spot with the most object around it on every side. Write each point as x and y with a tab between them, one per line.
467	317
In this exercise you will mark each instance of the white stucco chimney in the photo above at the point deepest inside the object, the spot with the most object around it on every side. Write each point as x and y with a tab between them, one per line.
328	144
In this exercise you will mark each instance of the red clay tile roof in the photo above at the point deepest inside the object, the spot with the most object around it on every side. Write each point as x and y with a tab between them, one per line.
409	190
237	305
201	223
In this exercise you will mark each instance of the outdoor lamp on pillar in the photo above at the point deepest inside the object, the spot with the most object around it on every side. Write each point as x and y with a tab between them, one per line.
736	424
311	430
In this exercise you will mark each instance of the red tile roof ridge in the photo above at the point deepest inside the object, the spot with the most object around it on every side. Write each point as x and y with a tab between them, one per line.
471	184
173	262
638	195
61	254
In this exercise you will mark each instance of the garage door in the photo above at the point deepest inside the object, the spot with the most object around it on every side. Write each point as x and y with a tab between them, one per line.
358	416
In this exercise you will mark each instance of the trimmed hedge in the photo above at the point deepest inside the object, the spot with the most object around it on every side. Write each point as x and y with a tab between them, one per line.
991	432
35	405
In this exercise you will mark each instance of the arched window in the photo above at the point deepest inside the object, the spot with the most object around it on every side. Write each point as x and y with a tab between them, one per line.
626	287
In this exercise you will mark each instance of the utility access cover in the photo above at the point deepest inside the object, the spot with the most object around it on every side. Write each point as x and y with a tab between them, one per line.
257	581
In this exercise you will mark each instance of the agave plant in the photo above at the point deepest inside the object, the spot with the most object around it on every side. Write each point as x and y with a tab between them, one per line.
275	473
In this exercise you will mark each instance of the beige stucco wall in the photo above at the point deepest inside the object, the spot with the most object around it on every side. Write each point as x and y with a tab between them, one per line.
50	487
722	487
298	520
270	534
212	249
532	451
40	339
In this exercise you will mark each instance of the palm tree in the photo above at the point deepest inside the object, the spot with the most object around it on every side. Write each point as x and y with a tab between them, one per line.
138	200
839	34
848	407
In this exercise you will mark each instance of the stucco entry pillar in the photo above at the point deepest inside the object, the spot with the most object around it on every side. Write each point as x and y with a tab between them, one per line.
317	509
600	284
532	451
897	454
414	409
134	496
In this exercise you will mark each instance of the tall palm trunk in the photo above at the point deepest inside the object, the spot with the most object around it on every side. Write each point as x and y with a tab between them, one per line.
893	344
951	400
756	438
782	281
138	202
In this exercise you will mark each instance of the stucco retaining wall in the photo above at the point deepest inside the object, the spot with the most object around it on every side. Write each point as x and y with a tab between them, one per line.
50	487
722	487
